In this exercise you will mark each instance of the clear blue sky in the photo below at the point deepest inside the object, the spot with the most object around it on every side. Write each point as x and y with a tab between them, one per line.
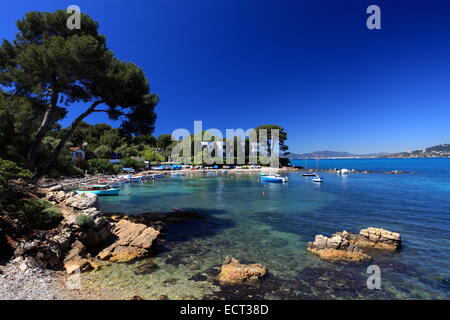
310	66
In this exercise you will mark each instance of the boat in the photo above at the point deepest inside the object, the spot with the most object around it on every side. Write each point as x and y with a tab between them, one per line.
137	178
317	179
156	176
274	178
178	173
309	174
98	189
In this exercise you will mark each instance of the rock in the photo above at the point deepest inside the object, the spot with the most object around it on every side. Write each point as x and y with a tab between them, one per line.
349	246
57	187
97	234
92	212
74	260
336	248
234	272
46	249
133	242
118	253
134	234
82	201
56	196
378	238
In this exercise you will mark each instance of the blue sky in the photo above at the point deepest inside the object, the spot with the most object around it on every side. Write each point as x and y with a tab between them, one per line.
310	66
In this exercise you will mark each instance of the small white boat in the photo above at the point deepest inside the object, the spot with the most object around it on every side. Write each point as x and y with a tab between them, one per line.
317	179
274	178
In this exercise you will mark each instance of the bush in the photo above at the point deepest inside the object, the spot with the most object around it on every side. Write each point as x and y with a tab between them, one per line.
41	214
84	221
100	166
132	163
10	170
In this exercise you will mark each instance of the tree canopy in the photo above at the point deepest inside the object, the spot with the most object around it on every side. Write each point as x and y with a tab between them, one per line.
52	67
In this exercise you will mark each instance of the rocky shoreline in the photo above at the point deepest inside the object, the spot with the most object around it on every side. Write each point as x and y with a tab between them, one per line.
46	262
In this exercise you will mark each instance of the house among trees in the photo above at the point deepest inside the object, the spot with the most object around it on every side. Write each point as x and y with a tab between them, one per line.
77	154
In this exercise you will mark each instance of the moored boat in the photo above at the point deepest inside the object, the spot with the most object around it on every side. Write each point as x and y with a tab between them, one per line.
317	179
274	178
99	189
309	174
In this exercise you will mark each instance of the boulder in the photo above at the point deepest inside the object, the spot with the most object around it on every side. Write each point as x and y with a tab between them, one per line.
133	241
56	196
378	238
348	246
97	234
234	272
118	253
45	248
82	201
134	234
75	260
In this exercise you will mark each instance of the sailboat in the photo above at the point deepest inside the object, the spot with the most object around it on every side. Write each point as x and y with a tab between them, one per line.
317	178
308	174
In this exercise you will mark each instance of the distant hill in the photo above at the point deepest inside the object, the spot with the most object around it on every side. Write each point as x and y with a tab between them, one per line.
332	154
437	151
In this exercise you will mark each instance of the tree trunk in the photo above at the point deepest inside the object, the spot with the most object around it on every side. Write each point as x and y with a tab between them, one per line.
30	162
43	169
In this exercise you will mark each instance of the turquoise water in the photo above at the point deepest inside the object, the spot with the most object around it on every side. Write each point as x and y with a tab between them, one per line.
271	224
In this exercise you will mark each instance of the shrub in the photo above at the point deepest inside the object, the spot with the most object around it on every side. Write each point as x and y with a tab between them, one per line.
100	166
84	221
41	214
132	163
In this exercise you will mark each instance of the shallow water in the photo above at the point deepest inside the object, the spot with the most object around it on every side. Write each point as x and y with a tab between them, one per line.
271	224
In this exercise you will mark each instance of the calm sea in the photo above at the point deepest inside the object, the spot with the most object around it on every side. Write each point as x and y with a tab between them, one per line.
271	224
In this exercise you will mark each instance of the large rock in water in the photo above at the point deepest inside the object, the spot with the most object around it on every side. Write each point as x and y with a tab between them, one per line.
378	238
133	242
336	248
349	246
234	272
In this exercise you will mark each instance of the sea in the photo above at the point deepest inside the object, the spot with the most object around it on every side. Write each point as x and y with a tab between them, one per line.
271	224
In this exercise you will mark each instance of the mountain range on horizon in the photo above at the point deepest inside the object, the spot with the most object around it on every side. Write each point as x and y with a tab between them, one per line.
440	150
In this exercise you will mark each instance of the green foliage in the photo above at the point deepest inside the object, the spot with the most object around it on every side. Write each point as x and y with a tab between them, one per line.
10	170
48	65
41	214
84	221
101	166
150	154
103	152
132	163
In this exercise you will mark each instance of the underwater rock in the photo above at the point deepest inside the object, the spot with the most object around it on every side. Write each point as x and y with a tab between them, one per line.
146	268
234	272
349	246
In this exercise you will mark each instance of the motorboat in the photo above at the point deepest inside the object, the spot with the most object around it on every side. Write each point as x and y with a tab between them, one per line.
309	174
98	189
317	179
274	178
